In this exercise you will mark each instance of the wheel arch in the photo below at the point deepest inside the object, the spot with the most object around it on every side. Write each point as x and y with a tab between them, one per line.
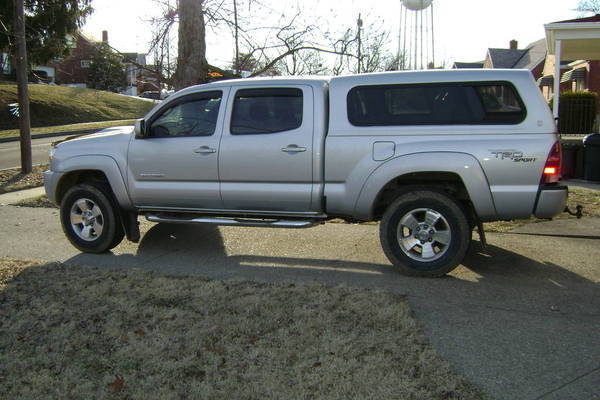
458	174
101	169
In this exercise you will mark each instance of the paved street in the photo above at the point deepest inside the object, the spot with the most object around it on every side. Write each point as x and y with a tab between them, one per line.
10	152
522	320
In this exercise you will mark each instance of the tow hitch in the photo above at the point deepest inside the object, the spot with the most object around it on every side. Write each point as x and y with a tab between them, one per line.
578	213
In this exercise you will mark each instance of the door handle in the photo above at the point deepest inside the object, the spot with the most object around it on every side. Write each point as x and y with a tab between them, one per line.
204	150
292	148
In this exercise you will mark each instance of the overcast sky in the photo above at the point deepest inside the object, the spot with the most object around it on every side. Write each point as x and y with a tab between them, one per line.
464	29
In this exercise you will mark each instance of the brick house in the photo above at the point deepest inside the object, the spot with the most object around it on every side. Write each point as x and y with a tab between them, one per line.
575	75
72	70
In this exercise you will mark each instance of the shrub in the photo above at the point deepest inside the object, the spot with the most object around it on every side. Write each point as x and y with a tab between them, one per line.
577	112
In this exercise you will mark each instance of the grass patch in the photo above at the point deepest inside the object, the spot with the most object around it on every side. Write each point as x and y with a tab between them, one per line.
83	333
68	128
60	105
588	198
12	179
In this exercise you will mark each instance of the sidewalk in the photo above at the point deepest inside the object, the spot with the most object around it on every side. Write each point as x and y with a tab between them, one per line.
583	184
21	195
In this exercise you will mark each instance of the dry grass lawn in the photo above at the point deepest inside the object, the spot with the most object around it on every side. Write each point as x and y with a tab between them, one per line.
52	105
83	333
12	179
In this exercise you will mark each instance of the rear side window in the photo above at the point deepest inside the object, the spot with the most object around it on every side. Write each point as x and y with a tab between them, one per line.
269	110
435	104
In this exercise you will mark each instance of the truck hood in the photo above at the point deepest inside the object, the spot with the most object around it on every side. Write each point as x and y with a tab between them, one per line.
105	142
112	131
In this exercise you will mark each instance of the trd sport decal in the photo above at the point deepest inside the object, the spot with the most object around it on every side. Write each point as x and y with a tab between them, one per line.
513	155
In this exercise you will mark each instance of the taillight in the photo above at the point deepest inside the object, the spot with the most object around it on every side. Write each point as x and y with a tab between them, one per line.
553	165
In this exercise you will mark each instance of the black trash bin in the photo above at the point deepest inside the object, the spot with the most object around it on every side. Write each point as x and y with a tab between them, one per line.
592	157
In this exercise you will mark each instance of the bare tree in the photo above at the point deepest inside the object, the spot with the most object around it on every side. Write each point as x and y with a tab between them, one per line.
244	62
304	63
192	67
368	55
293	47
161	46
588	6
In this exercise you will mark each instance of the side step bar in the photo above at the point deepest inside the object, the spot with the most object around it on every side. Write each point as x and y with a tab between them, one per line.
263	223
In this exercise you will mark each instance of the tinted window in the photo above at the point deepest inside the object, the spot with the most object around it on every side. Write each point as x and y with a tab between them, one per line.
266	111
500	103
434	104
194	117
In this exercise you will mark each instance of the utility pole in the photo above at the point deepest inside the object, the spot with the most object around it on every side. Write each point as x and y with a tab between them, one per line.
359	23
168	45
23	91
237	45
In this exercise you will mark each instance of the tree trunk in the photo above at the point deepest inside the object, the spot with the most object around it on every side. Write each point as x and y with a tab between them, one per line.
23	90
192	67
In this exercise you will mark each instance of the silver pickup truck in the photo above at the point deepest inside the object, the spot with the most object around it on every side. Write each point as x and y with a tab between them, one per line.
429	154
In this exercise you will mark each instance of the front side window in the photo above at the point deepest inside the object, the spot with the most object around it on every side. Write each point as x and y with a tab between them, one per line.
434	104
194	117
269	110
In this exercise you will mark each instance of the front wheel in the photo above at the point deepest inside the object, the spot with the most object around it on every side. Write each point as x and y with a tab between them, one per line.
90	220
425	233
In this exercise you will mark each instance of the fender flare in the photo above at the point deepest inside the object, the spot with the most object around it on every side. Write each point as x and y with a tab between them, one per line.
104	164
464	165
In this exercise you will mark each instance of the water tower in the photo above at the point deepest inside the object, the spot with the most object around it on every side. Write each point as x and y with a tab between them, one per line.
415	37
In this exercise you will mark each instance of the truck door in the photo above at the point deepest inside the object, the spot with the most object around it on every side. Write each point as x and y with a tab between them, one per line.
175	164
266	152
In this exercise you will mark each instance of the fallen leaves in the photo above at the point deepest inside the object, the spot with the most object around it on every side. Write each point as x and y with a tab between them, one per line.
117	385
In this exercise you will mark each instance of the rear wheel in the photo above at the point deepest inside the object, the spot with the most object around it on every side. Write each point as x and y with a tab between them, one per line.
90	219
425	233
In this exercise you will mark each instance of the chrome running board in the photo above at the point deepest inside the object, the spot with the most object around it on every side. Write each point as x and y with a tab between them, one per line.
262	223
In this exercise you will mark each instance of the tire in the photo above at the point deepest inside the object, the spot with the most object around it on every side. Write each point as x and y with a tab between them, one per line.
425	233
90	218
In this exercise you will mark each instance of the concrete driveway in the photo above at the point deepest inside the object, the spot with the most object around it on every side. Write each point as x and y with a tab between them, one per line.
521	320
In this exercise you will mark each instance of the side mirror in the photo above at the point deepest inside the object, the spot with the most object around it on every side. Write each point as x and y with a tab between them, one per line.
139	128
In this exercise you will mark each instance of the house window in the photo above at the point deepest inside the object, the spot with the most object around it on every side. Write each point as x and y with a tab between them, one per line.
85	63
579	85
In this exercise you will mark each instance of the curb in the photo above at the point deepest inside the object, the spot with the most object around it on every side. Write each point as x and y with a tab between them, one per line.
15	197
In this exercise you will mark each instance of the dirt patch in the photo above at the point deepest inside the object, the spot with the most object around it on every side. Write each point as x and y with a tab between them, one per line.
12	180
40	202
79	333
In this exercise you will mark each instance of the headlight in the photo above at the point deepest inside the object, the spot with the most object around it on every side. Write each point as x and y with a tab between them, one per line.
51	154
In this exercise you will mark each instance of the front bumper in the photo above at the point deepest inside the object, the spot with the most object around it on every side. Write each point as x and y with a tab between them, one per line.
552	200
51	179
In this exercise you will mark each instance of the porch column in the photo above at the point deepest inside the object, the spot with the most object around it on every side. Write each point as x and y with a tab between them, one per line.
556	78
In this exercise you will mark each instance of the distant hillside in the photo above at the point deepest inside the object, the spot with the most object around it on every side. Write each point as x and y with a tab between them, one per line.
59	105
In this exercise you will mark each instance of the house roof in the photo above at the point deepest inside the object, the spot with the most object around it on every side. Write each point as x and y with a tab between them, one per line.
579	38
536	54
462	65
505	58
595	18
